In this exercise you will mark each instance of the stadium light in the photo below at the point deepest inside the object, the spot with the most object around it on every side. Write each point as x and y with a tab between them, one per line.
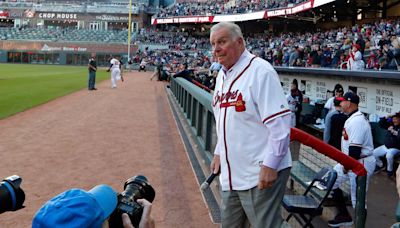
129	29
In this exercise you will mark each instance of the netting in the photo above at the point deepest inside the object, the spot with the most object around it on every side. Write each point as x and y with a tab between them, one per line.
312	157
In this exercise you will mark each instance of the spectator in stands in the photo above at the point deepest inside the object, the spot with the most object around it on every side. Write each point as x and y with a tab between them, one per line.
215	66
294	55
356	143
334	122
316	56
338	92
355	61
326	57
249	104
391	147
184	72
295	101
373	62
360	41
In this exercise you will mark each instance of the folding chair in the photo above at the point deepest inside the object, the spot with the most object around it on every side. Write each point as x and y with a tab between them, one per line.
309	205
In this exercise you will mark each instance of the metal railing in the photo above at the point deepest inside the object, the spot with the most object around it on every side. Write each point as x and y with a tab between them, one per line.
195	103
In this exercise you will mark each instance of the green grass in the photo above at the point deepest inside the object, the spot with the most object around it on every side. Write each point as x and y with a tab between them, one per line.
25	86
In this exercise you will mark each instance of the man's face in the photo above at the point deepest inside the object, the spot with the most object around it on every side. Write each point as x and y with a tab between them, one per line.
345	106
338	93
227	50
396	121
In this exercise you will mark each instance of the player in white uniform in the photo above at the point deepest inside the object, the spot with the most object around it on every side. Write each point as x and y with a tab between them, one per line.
115	68
253	128
357	143
338	90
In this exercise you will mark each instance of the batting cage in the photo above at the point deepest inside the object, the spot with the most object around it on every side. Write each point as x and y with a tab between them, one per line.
312	181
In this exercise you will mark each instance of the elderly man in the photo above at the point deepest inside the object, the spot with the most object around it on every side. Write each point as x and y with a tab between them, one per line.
253	128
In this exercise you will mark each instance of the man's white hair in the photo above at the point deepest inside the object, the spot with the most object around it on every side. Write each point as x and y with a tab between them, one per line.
234	29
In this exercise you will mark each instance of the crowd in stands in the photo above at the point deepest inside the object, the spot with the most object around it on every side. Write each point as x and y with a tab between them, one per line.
188	8
374	46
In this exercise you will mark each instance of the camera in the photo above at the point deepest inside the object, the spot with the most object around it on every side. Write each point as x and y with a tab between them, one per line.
11	195
135	188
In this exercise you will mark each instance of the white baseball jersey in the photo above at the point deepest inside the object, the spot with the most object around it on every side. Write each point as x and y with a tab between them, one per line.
357	132
329	104
247	98
115	62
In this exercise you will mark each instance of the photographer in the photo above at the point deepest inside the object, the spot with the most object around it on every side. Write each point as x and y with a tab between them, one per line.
65	209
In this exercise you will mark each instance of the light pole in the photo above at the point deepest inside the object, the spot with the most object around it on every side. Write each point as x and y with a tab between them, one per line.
129	31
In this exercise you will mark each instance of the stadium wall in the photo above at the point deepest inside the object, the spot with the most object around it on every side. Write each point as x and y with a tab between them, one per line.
47	52
378	91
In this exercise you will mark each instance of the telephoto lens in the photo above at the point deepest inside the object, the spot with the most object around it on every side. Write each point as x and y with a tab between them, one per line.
11	195
135	188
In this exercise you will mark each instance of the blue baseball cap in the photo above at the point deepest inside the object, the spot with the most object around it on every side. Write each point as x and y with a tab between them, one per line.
77	208
349	96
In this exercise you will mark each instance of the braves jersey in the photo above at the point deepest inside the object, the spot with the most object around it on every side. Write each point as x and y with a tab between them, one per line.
115	63
248	97
357	132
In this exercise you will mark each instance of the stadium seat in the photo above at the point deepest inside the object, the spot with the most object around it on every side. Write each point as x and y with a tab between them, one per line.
305	207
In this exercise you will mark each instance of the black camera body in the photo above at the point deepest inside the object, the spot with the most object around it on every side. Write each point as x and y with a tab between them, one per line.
11	194
135	188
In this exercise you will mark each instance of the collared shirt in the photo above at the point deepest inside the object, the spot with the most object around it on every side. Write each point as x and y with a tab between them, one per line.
252	122
357	132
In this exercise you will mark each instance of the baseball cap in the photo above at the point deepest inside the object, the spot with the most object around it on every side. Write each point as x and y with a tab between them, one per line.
77	208
349	96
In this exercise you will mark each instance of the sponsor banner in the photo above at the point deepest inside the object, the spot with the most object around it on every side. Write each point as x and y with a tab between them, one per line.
321	2
50	48
3	14
107	17
240	17
288	11
50	15
177	20
29	13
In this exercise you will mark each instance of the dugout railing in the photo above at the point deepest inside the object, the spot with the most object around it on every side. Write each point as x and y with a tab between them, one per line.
195	104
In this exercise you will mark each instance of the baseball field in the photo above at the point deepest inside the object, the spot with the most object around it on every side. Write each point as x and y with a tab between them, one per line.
25	86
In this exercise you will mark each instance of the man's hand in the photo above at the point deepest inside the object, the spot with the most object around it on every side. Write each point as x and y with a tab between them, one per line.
146	221
215	163
267	177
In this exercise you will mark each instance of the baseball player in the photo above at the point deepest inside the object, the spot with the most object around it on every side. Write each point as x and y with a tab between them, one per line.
115	68
357	143
253	126
295	100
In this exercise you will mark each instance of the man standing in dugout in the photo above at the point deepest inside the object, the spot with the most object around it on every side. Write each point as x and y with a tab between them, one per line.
92	66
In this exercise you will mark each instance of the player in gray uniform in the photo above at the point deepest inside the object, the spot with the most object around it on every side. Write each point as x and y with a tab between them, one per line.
356	143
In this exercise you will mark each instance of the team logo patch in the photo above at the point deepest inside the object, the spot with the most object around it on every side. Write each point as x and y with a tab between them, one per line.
345	135
240	105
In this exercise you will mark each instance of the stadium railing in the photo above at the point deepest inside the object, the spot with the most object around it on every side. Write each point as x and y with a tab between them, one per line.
195	104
